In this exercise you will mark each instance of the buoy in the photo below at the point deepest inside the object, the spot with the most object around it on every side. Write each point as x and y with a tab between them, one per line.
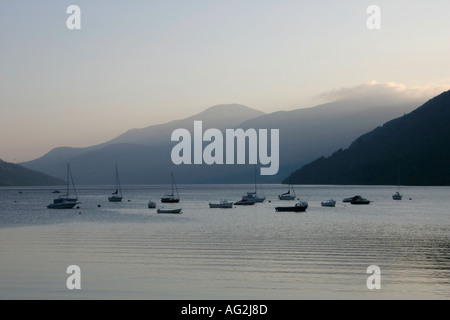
79	212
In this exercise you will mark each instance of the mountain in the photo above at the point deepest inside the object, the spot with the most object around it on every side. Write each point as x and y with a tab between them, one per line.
220	117
416	144
144	155
15	175
306	134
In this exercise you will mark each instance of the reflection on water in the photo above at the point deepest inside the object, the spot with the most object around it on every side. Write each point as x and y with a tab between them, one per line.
126	250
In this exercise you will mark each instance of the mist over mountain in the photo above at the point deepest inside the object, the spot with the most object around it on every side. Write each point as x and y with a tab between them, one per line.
416	145
144	155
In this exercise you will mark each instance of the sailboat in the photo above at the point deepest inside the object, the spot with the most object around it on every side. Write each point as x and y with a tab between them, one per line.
65	201
117	195
288	195
253	196
397	195
170	197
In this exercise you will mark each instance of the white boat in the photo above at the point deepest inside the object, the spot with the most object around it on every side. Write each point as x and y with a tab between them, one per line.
65	201
288	195
116	196
328	203
173	211
253	196
397	195
222	204
151	204
170	197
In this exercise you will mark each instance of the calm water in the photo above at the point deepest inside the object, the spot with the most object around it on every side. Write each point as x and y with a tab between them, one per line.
127	251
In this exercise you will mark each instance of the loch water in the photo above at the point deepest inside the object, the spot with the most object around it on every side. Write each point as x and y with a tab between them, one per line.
128	251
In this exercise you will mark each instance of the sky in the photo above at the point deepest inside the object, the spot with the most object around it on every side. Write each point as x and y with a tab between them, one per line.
142	62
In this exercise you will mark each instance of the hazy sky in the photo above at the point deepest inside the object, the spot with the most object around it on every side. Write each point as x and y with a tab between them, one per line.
135	63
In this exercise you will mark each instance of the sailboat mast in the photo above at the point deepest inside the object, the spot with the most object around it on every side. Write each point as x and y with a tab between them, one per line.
73	184
172	185
118	181
68	180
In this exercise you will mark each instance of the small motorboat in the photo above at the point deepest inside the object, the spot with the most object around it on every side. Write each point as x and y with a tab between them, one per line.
397	196
222	204
244	202
300	206
174	211
328	203
151	204
359	200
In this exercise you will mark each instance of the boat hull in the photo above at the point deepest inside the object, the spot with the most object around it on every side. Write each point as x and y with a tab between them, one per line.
244	203
63	204
169	200
254	199
169	211
115	199
221	205
291	209
359	202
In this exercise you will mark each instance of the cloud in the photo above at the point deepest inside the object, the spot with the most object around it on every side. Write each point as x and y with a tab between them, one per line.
386	92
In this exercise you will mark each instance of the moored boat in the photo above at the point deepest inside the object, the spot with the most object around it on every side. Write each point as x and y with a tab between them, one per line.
170	197
117	195
359	200
65	201
173	211
253	196
300	206
287	195
328	203
397	196
244	202
222	204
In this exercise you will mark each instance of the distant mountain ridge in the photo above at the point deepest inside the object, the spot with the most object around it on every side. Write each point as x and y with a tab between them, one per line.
15	175
143	155
415	144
